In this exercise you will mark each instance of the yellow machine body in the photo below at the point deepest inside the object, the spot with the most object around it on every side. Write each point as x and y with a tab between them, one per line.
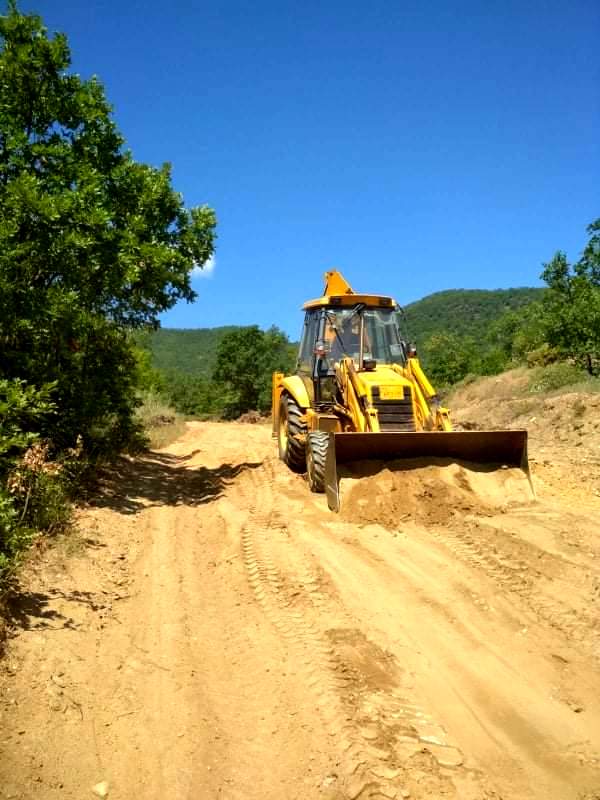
376	403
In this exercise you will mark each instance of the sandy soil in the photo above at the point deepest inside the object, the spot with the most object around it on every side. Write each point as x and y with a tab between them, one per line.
213	631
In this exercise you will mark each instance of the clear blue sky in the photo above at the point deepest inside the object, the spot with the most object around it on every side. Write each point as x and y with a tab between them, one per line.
418	146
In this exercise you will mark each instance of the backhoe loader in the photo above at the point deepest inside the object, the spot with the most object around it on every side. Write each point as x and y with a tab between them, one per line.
359	392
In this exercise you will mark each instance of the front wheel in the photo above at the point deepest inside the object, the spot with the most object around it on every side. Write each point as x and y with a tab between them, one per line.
316	456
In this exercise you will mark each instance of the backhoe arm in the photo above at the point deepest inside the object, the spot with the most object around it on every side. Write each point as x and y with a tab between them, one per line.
355	397
427	397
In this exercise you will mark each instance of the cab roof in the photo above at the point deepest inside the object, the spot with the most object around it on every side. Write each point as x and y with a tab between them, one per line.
346	300
338	292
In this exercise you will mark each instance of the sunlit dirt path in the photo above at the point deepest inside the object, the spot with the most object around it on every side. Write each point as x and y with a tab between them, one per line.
218	633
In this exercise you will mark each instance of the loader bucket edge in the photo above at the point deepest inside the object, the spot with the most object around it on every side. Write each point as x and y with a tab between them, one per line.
504	448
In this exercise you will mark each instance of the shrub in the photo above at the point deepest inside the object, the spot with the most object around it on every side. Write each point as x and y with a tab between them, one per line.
32	484
554	376
9	544
543	356
37	485
160	423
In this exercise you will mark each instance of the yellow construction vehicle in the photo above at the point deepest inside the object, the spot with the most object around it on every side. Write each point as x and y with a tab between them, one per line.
359	392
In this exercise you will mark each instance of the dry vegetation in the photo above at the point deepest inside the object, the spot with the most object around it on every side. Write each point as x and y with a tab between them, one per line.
161	423
526	398
563	422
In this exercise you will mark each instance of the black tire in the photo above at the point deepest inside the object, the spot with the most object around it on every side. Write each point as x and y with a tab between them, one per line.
291	449
316	455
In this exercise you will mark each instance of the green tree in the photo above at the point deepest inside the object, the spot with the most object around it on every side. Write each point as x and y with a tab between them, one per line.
193	394
92	243
518	332
571	306
448	358
246	359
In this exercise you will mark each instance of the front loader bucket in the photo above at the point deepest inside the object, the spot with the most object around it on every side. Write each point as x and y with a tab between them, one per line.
501	448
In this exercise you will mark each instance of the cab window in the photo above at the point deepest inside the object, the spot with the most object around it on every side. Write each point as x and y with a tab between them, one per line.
307	344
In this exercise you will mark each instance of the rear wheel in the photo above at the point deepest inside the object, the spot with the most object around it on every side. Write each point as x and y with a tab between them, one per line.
291	448
316	455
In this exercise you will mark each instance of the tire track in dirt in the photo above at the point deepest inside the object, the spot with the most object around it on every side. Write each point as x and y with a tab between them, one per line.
463	510
309	650
519	577
265	648
358	687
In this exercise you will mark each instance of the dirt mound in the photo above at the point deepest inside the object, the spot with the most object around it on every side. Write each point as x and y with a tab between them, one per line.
431	494
560	420
252	417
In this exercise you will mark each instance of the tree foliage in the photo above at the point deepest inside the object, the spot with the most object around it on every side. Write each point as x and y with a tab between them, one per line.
190	351
194	395
464	312
22	411
462	332
91	242
246	359
516	334
92	245
448	358
571	306
184	364
560	322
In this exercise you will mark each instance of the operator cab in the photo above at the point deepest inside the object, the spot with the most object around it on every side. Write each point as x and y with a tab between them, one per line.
368	335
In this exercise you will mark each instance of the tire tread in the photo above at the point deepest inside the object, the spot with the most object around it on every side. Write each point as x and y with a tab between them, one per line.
318	442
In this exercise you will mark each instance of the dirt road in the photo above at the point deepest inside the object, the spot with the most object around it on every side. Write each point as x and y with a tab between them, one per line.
218	633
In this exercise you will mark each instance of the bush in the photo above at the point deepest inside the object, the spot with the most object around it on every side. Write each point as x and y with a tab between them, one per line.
543	356
555	376
193	395
38	487
448	358
154	411
160	423
44	506
33	492
9	539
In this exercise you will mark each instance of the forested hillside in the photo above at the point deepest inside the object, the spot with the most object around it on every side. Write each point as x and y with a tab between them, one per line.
216	371
192	350
464	312
183	356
